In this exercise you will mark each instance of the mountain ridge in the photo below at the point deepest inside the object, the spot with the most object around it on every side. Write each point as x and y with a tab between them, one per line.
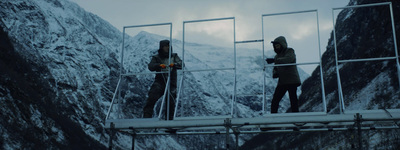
75	56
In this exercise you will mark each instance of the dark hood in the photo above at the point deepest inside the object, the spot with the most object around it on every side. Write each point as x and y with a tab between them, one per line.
164	43
281	40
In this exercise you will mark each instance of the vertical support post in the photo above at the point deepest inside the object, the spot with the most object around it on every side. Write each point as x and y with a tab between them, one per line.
119	115
183	68
227	124
169	74
112	132
395	42
234	61
358	122
133	140
122	52
264	68
236	132
340	92
320	67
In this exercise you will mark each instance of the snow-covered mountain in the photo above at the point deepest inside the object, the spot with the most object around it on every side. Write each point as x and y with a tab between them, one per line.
69	62
60	67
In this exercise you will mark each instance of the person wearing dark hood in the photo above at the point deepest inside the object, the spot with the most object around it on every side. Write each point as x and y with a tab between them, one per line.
288	76
162	63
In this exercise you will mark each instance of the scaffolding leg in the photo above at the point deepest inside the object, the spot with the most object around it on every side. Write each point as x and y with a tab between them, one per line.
358	119
227	126
112	133
133	140
236	132
227	138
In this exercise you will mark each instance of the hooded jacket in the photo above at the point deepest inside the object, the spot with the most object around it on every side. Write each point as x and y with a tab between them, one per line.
286	74
162	58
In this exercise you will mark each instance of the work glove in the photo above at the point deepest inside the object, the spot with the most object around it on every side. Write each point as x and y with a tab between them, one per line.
163	66
270	60
171	65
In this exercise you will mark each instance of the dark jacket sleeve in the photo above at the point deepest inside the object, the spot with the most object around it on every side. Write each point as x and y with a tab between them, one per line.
287	58
154	65
275	73
177	62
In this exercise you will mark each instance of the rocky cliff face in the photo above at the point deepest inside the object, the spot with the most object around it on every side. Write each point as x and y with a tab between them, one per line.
33	114
60	67
50	63
361	33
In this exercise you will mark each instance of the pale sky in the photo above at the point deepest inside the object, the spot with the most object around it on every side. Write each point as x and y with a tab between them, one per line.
299	29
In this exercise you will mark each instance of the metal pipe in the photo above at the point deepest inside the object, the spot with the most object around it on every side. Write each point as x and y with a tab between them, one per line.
270	131
218	69
147	25
122	52
264	68
364	5
250	41
320	68
143	73
227	125
177	98
133	140
112	101
243	95
368	118
121	71
395	42
286	13
292	64
163	100
112	134
340	92
366	59
169	74
204	20
183	63
234	68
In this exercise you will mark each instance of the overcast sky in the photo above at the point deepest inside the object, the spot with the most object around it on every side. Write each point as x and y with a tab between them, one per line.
299	29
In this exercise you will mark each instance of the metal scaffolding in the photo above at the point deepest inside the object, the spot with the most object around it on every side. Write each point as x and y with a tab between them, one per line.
229	124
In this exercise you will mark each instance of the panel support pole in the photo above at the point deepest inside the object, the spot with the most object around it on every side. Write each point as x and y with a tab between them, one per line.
227	124
133	140
236	132
112	133
358	119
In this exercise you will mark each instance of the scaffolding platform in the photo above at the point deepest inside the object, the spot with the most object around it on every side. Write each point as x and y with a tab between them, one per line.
374	119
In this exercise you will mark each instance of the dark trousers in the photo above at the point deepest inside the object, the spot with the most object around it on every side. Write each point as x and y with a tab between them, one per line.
280	91
157	91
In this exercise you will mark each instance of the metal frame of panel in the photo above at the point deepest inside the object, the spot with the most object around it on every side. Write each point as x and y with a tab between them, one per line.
307	63
340	90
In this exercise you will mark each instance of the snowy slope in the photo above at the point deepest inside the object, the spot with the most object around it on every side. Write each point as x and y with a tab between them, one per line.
75	56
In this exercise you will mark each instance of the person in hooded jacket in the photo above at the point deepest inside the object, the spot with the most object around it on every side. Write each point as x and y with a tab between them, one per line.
162	63
288	76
